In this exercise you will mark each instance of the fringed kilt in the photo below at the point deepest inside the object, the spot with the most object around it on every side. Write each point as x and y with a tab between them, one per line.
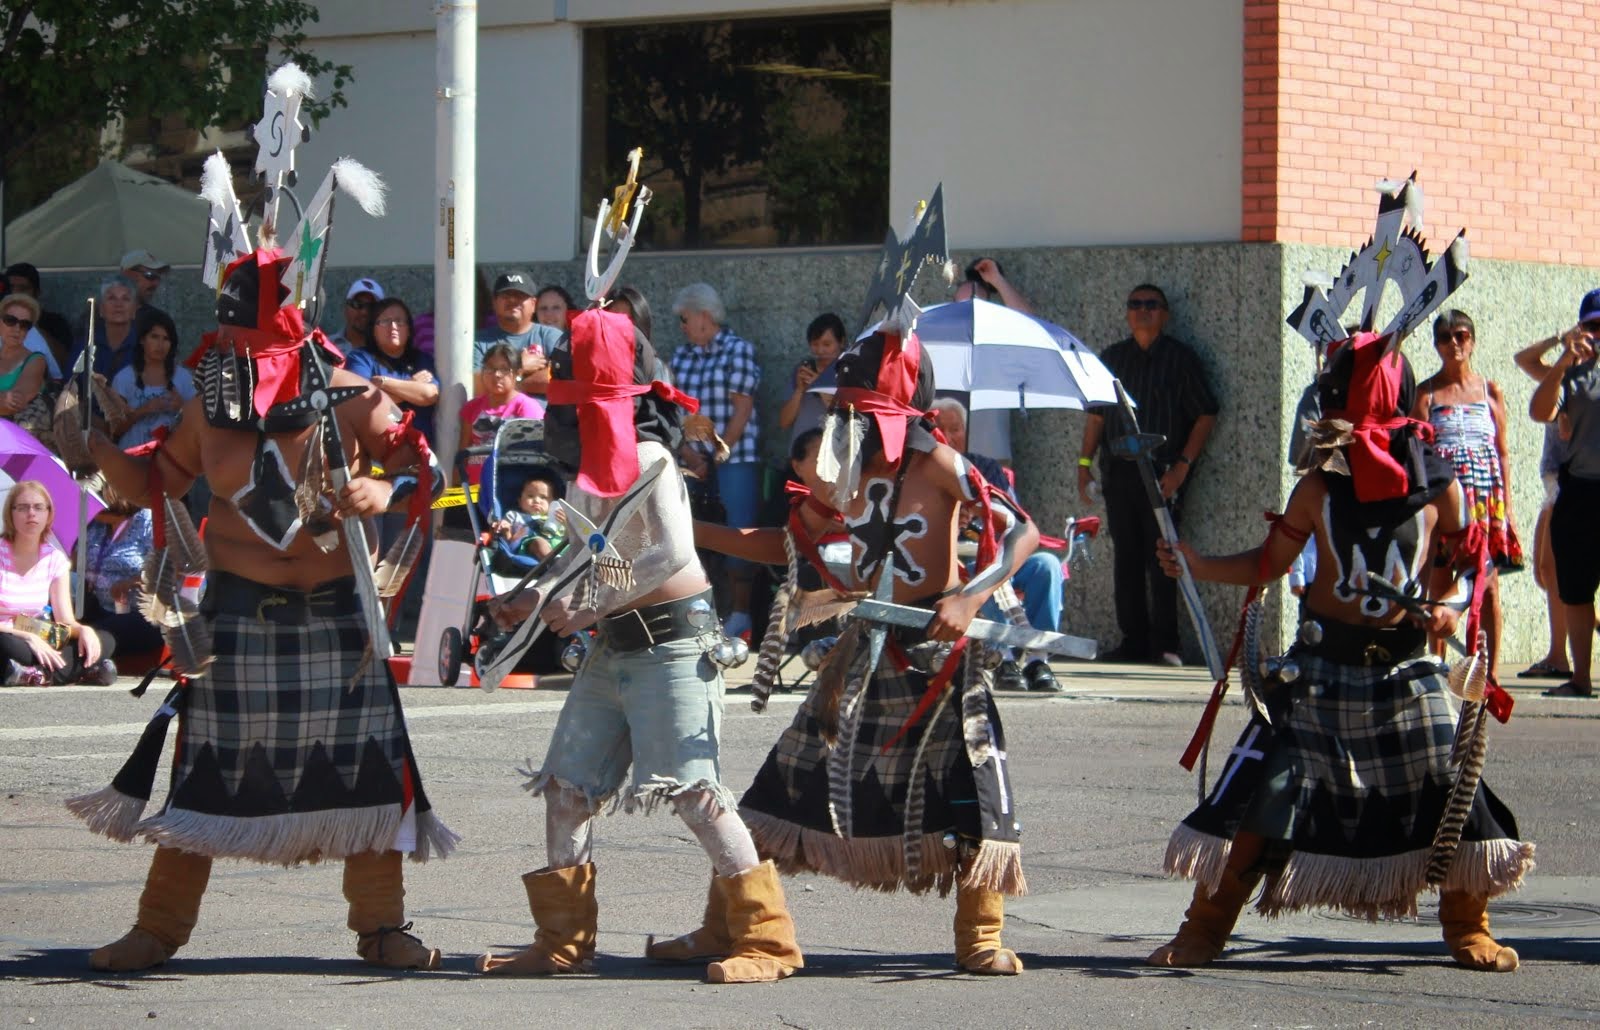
921	812
280	757
1348	789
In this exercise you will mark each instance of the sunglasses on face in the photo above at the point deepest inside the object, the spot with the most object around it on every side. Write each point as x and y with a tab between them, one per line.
1145	304
1592	326
146	273
13	322
359	305
389	323
1458	335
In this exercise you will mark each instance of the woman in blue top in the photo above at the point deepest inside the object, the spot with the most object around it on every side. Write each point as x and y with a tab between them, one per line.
397	367
153	383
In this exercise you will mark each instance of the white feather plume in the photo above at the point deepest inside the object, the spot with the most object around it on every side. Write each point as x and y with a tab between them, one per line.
361	184
216	182
1459	252
289	80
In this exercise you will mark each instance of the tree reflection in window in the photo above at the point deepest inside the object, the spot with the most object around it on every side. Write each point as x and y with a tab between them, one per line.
756	132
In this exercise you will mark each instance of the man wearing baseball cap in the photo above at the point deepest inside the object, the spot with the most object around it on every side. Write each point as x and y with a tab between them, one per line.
359	301
514	294
145	270
1569	393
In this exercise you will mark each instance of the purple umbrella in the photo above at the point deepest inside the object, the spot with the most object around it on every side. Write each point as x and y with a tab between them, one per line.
22	456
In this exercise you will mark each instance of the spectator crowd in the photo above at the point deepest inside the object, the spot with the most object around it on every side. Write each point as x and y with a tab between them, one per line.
137	350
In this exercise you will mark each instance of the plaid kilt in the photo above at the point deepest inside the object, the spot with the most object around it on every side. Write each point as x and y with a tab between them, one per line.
916	813
281	758
1348	788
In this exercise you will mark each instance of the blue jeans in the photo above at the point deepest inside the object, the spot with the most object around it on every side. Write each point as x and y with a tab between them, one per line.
658	710
1039	583
739	487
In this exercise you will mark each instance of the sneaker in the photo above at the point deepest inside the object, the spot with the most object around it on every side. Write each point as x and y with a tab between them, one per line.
19	675
1171	658
1008	677
1041	677
102	673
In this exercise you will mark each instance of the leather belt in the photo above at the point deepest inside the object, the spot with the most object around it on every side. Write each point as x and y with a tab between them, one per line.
1350	644
640	628
230	594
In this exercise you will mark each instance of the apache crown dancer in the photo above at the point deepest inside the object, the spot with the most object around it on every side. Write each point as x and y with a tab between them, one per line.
892	774
1336	792
291	743
649	692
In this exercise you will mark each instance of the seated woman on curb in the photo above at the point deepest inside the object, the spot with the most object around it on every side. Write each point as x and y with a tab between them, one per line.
34	576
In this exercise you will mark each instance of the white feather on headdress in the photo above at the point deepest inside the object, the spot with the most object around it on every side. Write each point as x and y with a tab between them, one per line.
226	237
216	182
361	184
289	80
349	176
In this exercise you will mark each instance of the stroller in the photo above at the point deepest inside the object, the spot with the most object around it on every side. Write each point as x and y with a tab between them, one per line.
516	454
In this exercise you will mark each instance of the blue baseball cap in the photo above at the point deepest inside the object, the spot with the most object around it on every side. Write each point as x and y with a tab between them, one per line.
1589	310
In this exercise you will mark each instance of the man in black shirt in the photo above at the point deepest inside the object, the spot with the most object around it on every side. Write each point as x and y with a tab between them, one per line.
1169	384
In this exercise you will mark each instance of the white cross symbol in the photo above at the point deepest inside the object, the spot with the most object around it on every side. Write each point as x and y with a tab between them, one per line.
1244	750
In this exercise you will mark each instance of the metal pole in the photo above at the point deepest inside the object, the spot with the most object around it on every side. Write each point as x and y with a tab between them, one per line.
454	252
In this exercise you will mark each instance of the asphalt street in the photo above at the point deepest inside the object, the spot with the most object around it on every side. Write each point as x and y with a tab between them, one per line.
1098	789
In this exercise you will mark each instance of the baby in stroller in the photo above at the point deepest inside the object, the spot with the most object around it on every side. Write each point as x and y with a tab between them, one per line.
530	528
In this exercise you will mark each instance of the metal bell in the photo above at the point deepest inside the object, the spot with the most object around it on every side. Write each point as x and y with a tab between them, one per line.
1310	633
1268	667
700	614
1288	672
741	651
815	653
723	654
949	841
575	652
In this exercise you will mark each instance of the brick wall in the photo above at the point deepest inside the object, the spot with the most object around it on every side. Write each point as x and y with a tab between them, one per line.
1495	105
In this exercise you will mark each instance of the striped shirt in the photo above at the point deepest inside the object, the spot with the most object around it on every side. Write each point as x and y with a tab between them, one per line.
712	375
1169	385
27	593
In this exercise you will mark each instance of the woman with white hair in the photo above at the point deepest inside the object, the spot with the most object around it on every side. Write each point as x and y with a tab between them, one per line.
720	371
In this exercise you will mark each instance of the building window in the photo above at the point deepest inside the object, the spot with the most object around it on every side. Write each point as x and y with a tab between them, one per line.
756	132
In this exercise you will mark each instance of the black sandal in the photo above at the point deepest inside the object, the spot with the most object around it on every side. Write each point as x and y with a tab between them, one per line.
1569	689
1542	670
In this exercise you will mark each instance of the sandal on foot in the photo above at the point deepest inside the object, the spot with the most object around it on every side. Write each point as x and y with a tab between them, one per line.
1569	689
1543	670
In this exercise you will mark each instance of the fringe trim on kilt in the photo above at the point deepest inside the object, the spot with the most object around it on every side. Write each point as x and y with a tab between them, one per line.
109	812
997	866
298	837
877	863
1196	856
1372	888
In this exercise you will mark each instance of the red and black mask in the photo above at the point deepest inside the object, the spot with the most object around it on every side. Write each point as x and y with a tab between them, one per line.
605	396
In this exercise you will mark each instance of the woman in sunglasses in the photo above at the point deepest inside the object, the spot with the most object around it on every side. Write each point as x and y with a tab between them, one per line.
22	371
1468	413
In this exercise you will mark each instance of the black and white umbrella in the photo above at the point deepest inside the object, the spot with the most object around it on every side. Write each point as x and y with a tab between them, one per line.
1003	358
